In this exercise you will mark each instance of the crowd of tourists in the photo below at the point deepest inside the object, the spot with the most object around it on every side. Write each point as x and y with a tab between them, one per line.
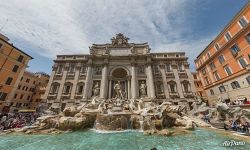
239	102
238	125
16	120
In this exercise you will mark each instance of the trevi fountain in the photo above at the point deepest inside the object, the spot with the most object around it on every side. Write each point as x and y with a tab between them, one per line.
121	123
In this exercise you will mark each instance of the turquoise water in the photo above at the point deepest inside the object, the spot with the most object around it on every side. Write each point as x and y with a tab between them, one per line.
200	139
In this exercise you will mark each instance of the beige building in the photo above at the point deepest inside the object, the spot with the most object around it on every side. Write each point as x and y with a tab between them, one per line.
120	66
29	91
42	80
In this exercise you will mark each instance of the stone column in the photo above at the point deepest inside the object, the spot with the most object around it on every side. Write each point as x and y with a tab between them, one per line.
150	78
129	89
164	79
110	88
73	91
133	82
60	90
104	82
178	83
88	88
46	94
191	80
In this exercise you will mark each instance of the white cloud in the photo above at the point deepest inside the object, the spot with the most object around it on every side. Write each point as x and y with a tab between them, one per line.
71	26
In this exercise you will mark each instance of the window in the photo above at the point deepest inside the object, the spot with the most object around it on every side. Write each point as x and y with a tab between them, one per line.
15	68
3	96
186	86
217	46
67	88
21	96
8	81
206	80
222	89
34	82
83	69
243	22
28	98
242	62
54	88
156	69
204	71
23	88
1	45
248	79
235	85
71	68
168	68
172	88
15	96
22	79
211	91
228	36
221	59
235	49
228	70
80	89
27	80
180	67
59	69
19	86
212	66
20	58
248	38
216	75
208	55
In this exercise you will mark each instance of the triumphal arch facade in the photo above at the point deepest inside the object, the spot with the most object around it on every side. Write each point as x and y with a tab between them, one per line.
120	70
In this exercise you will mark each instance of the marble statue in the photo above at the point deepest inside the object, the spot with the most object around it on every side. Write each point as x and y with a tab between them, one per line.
143	87
96	89
118	90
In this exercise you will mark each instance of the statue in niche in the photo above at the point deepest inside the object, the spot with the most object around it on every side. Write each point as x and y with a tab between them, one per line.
96	89
118	90
142	89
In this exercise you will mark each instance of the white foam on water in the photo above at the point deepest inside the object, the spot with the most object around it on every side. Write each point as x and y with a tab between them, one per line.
122	131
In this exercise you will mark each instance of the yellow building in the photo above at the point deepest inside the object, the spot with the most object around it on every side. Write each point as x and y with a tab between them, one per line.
13	62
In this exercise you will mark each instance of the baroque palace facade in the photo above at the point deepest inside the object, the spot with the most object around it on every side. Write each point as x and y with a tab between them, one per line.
120	68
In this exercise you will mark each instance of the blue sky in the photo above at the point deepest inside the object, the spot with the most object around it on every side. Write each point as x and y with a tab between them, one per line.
45	28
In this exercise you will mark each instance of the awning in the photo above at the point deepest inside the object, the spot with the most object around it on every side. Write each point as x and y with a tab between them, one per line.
27	110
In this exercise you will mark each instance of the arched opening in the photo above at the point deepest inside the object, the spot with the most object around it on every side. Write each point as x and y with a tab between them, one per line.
119	73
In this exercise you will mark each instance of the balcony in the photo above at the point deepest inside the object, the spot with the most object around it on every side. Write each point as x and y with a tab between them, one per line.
70	75
169	74
58	76
188	94
183	75
174	95
78	96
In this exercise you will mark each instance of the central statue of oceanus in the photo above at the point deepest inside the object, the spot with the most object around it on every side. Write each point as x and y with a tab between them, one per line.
118	91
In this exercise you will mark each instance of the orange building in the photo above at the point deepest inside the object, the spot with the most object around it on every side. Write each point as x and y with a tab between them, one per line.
223	65
13	62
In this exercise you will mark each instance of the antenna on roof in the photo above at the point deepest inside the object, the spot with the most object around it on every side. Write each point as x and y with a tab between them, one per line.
4	24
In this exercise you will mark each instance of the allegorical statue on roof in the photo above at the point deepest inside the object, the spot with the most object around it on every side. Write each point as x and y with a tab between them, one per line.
120	40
